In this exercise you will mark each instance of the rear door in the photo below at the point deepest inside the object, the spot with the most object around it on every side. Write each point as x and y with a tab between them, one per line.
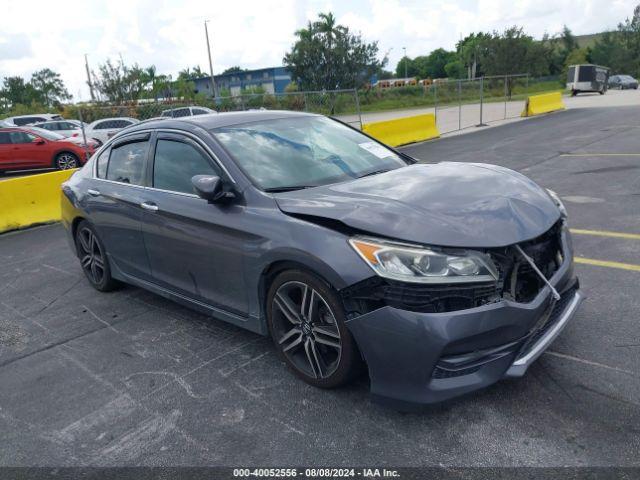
114	199
192	245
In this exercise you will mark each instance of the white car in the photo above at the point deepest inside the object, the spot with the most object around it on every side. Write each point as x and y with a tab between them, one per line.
105	128
21	120
186	112
66	128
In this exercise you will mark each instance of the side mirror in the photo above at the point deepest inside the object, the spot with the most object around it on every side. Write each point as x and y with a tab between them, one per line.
37	141
210	188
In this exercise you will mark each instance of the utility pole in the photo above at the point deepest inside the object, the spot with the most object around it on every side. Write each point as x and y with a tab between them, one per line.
86	64
405	61
213	82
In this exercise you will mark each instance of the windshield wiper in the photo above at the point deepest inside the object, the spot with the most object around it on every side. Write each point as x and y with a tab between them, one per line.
376	172
289	188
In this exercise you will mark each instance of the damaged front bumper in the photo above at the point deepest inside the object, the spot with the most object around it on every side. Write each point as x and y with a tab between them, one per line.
422	358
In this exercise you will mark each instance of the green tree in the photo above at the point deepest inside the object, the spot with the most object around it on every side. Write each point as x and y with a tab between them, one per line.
235	69
191	73
514	52
49	87
455	69
610	51
15	90
470	51
120	83
328	56
411	70
433	65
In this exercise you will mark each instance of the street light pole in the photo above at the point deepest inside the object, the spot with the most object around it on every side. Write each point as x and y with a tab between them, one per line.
213	82
405	61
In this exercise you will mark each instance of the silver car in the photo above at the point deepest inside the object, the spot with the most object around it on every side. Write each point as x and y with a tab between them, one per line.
66	128
105	128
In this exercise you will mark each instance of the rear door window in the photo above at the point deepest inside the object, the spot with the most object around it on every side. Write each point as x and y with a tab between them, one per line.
127	161
179	112
5	138
27	120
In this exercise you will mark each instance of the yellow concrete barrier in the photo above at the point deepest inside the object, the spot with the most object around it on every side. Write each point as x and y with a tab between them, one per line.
30	200
401	131
544	103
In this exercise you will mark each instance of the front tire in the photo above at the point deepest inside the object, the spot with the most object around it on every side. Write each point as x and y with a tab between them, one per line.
306	320
93	258
66	161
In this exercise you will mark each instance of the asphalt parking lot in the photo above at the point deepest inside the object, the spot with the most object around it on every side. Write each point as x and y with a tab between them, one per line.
129	378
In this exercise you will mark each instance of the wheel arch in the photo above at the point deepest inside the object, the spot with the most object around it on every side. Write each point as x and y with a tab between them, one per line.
305	263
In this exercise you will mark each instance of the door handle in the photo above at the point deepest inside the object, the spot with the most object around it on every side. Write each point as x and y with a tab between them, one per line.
92	192
152	207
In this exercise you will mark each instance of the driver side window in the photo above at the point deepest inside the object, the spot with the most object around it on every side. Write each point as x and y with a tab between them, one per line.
176	163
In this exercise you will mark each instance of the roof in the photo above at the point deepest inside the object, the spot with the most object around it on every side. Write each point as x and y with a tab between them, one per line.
216	120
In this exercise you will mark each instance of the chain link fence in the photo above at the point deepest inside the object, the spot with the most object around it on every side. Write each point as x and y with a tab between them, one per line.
334	103
461	104
457	104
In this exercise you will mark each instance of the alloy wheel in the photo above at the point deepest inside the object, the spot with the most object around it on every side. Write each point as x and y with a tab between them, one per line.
91	255
306	329
65	161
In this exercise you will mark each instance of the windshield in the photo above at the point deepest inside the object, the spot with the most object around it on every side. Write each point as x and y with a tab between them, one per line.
46	133
302	151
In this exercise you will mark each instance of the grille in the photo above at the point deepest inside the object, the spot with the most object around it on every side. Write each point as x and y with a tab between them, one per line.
558	309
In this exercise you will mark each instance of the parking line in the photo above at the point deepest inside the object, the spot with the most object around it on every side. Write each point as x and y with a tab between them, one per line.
600	154
605	233
606	263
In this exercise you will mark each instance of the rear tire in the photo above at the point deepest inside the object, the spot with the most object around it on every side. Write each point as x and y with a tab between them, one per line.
306	320
93	258
66	161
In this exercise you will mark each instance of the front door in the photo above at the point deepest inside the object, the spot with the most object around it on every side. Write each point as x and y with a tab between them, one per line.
192	246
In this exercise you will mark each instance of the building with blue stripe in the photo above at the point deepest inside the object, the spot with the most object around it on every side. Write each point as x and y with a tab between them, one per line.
272	80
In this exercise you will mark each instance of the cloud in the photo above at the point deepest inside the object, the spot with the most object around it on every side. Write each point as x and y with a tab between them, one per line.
257	33
15	46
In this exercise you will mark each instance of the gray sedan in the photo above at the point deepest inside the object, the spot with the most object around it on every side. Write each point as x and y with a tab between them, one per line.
623	82
437	279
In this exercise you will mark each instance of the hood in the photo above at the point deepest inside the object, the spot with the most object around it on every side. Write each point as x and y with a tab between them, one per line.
446	204
78	141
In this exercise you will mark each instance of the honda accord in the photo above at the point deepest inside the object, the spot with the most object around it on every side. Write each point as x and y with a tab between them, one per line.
437	278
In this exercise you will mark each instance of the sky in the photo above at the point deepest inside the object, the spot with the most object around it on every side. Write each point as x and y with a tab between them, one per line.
257	33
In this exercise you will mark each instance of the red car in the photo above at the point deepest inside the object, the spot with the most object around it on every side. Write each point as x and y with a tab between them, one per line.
24	148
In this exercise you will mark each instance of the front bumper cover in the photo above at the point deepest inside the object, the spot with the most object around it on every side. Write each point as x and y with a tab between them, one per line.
402	349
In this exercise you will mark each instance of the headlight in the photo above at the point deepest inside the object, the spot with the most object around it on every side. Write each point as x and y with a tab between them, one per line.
556	199
416	264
